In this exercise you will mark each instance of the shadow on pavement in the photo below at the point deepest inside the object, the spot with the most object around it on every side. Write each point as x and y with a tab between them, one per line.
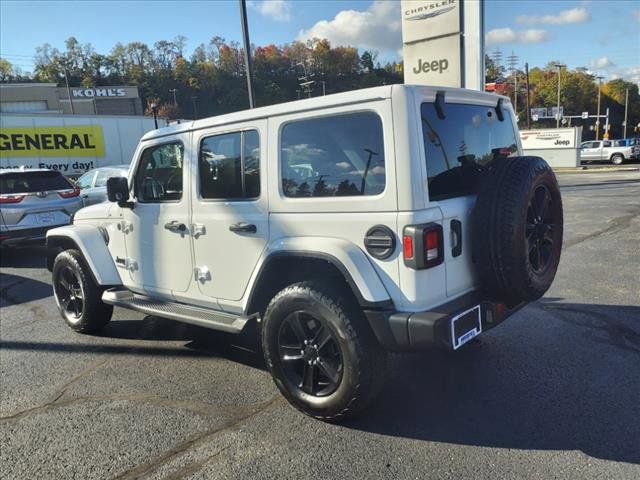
27	257
566	395
16	289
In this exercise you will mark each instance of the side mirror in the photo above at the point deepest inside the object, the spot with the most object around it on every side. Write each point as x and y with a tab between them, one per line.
118	191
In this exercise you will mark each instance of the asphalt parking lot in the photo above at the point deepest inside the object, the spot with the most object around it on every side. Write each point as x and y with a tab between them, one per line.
552	393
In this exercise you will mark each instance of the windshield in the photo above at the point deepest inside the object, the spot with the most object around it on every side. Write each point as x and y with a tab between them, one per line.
30	182
460	145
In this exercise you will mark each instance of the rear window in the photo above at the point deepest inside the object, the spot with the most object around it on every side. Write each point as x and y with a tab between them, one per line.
29	182
459	146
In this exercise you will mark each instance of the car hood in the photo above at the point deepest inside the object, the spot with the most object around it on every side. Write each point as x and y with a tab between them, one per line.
94	212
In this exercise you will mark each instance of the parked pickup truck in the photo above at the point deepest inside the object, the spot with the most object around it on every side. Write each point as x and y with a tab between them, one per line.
614	151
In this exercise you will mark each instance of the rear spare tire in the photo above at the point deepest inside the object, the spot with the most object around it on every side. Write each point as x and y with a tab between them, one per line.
517	229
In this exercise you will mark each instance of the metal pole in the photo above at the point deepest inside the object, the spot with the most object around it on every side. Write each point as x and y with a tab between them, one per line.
154	110
247	50
626	106
526	69
66	78
195	108
606	125
598	114
558	110
175	100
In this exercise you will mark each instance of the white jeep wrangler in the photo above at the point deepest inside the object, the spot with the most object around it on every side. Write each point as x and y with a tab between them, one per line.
387	219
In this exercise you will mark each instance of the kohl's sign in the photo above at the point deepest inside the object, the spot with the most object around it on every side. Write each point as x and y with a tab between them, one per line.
98	92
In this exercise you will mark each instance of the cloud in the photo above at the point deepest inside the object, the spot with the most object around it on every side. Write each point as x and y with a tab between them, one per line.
378	27
573	15
279	10
602	62
507	35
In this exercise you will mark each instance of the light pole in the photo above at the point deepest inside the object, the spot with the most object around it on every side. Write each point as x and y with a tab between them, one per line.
626	106
598	115
559	67
247	50
175	101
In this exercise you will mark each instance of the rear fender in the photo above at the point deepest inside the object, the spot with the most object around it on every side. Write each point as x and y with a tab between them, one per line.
348	258
91	243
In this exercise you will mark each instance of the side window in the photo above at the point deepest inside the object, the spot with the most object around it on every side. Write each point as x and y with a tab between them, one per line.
606	144
339	155
159	174
229	166
86	180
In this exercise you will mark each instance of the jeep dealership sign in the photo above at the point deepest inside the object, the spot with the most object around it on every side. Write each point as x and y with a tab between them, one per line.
443	42
548	138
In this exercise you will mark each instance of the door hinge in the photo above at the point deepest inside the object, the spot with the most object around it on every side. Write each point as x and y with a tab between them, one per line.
126	263
202	274
125	226
198	229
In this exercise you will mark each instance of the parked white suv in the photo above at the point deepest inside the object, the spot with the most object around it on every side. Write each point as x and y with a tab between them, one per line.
387	219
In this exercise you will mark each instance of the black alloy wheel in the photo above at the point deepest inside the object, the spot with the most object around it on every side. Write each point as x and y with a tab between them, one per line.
540	229
70	294
310	354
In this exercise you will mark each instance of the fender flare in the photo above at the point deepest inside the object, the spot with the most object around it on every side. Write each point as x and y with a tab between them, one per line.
91	243
349	260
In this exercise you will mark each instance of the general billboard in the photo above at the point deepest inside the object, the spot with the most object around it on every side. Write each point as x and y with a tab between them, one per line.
59	141
556	138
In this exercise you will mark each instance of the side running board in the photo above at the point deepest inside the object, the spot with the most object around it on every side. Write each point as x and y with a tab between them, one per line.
203	317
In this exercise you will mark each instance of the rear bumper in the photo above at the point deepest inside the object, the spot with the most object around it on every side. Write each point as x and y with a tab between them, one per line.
407	331
25	236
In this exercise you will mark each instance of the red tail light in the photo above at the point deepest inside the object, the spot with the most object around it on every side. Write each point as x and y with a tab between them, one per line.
427	235
11	198
407	246
73	192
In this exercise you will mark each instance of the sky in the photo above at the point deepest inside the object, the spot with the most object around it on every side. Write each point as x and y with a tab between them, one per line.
603	36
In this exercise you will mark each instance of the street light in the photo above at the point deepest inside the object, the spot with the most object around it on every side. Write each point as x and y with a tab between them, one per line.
154	110
175	101
559	67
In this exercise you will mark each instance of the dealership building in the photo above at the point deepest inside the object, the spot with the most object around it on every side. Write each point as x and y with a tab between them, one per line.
48	98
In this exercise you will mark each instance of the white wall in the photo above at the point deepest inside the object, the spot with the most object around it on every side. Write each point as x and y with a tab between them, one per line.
120	136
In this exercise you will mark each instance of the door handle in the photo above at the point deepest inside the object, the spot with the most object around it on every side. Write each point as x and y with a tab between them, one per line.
86	195
456	238
175	226
243	227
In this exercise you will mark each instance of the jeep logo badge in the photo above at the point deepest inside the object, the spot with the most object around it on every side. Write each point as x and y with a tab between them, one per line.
437	66
41	194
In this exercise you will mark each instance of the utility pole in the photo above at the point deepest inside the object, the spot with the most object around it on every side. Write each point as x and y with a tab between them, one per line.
175	100
66	79
626	106
559	67
526	70
512	62
247	50
598	114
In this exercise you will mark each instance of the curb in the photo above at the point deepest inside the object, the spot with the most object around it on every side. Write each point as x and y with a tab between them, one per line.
595	170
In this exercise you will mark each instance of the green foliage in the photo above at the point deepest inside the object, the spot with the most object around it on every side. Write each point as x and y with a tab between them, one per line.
214	74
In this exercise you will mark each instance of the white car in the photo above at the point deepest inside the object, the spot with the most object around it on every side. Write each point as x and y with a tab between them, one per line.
388	219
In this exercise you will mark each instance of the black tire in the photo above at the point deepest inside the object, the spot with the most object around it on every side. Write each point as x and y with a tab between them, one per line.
78	297
357	361
517	229
617	159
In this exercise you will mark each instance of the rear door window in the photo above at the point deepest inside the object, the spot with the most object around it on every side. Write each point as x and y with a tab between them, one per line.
31	182
461	145
333	156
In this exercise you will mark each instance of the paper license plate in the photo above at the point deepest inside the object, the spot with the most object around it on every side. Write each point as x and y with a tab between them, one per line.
465	326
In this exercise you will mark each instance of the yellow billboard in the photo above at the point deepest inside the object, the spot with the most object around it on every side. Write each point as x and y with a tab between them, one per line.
74	141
